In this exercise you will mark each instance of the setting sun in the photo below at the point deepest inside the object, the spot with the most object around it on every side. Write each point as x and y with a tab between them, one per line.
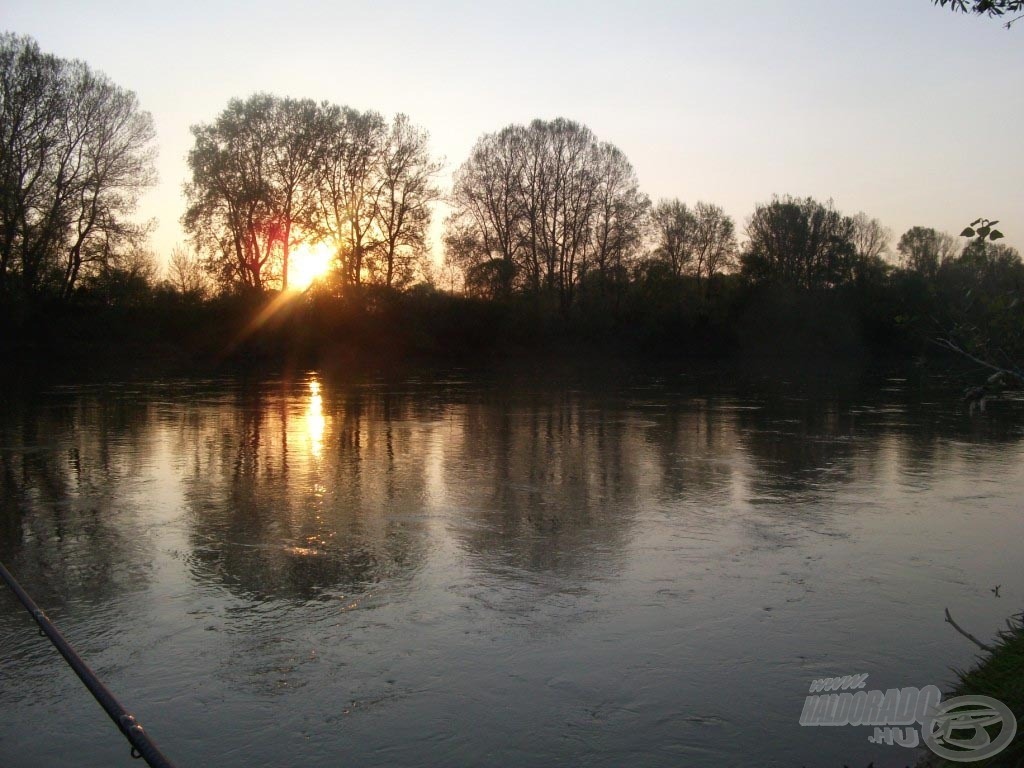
306	263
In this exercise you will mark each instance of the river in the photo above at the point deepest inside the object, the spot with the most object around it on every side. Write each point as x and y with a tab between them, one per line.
454	570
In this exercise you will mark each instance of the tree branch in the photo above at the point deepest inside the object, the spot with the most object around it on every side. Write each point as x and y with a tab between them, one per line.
966	634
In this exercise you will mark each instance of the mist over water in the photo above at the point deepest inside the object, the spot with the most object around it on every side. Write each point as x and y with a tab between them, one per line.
452	570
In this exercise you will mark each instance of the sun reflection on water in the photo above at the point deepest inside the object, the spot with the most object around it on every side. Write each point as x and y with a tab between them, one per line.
315	421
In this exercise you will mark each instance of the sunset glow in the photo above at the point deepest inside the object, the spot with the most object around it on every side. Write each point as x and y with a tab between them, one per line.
307	263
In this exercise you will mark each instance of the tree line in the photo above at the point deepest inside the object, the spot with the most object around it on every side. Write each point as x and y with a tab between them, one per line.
271	173
544	218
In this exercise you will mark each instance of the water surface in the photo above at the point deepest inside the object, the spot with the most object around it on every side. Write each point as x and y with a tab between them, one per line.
449	571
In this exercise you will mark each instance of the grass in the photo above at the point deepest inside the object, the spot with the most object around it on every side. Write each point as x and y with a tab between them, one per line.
999	674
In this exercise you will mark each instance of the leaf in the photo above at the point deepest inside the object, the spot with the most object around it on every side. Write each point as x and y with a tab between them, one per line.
968	232
976	222
995	235
992	223
983	232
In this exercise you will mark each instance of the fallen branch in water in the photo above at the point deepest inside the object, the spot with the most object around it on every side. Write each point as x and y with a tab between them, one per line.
950	344
966	634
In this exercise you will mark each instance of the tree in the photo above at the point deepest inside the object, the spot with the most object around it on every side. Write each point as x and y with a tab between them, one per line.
870	238
488	209
674	228
802	243
537	207
994	8
924	250
251	197
714	242
350	187
982	291
186	275
296	142
698	241
126	278
619	217
75	155
407	191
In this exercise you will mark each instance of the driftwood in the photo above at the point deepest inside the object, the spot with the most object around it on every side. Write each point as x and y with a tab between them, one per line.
1007	373
967	634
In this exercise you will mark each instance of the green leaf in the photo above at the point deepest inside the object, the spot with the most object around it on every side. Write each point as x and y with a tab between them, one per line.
976	222
983	232
968	232
995	235
992	223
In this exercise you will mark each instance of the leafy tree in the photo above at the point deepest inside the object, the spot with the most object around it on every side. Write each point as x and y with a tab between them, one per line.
982	293
803	243
75	155
995	8
924	250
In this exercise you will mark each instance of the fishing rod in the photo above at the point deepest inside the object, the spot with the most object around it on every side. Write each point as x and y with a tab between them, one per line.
142	745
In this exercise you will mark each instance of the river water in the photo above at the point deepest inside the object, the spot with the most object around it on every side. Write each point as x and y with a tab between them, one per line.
614	570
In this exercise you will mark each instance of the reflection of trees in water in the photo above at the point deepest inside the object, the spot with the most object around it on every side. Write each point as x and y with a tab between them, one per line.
695	446
276	510
293	495
68	525
548	482
800	448
806	444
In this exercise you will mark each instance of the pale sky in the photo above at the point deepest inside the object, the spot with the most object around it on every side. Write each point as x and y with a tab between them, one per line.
894	107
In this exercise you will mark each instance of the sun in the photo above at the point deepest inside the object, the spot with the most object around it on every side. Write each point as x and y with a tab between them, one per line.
306	263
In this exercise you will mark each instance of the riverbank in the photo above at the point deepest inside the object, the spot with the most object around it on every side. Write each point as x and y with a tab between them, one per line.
999	674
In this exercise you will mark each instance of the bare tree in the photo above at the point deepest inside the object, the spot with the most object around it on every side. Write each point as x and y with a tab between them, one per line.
407	191
253	186
674	230
488	219
535	207
186	275
297	131
75	155
714	242
619	215
870	238
350	186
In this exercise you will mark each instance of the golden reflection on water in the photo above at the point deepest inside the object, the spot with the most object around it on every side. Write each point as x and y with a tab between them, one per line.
315	421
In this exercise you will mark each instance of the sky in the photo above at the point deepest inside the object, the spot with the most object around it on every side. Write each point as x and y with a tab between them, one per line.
892	107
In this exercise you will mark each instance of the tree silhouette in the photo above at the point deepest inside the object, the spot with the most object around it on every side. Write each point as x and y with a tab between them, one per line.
76	155
802	243
996	8
253	172
407	190
537	207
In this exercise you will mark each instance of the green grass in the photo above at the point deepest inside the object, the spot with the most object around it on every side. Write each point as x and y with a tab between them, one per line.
999	674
